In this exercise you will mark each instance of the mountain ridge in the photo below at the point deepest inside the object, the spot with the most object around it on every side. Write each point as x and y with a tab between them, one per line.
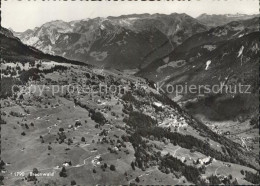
160	27
13	49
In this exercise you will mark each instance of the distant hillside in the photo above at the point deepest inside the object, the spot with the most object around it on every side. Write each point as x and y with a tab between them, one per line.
199	46
218	20
228	54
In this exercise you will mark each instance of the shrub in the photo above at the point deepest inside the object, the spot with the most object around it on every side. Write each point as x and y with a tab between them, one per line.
73	182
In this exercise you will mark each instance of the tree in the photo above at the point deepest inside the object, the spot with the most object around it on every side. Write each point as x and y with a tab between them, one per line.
112	167
137	179
98	118
35	171
214	180
70	141
31	177
252	177
77	124
235	182
2	164
63	172
61	129
140	120
21	97
83	139
133	165
1	179
73	182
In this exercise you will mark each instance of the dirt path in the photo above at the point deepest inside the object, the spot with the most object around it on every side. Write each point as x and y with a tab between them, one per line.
147	173
216	171
176	151
75	166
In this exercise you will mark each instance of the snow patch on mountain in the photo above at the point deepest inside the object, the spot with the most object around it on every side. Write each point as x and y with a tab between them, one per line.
177	28
210	47
125	22
102	27
240	51
133	18
207	64
173	64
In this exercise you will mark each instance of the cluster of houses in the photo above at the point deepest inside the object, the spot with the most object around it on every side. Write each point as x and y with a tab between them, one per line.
96	160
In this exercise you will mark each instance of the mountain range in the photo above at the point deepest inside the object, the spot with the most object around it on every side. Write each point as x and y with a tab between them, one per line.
221	19
130	41
141	136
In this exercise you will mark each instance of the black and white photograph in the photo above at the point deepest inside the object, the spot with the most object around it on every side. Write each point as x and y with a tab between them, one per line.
129	92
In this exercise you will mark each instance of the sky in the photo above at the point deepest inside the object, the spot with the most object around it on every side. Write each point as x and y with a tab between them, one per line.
23	15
